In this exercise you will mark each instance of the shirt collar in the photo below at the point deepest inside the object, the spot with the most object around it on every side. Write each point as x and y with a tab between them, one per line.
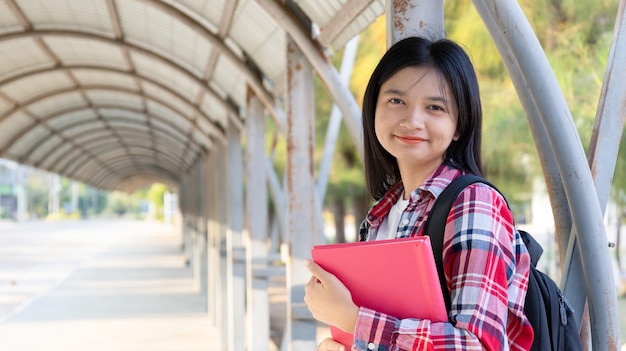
434	185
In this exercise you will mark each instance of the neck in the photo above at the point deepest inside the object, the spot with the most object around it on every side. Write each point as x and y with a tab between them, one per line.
413	177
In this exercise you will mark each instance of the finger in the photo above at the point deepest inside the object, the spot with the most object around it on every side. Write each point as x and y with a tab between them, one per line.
315	269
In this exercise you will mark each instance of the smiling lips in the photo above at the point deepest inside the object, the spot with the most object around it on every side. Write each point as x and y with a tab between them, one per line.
409	139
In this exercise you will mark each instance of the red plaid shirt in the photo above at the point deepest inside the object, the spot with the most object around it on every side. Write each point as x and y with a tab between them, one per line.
486	266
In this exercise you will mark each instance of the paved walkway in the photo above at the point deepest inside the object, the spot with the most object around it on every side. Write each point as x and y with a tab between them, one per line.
98	286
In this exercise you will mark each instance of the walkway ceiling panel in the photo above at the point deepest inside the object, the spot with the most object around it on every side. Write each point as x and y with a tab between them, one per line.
166	114
111	97
52	158
11	125
25	89
230	82
358	24
44	146
166	75
341	20
5	106
217	111
61	122
163	34
87	137
179	103
84	51
197	135
75	130
87	15
8	22
73	159
86	77
211	10
161	76
256	32
57	102
21	54
28	140
160	128
135	116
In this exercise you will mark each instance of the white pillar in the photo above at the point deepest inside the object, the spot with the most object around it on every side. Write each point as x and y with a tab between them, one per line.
236	268
300	227
258	316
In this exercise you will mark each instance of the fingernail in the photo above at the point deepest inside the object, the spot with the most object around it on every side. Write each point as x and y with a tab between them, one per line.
307	262
341	348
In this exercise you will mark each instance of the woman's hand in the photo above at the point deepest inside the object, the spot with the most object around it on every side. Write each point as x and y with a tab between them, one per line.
329	300
329	344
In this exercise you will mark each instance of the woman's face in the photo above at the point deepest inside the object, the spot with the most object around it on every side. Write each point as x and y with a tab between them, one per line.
416	118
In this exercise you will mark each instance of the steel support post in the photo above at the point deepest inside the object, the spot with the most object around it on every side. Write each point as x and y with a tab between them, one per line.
408	18
199	253
608	128
521	49
212	254
258	315
323	67
334	124
301	326
235	253
278	197
221	173
198	191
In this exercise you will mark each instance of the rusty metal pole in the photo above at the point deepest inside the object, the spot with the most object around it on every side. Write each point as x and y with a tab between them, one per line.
258	315
300	227
323	67
407	18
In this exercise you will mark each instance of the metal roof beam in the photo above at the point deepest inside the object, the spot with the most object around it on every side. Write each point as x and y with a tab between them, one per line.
325	70
61	91
255	81
346	14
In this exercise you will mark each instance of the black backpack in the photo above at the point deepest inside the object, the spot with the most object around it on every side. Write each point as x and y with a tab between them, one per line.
547	310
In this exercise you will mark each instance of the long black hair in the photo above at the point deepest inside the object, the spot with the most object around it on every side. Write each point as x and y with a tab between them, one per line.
456	70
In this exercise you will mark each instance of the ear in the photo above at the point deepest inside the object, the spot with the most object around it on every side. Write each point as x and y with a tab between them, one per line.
456	136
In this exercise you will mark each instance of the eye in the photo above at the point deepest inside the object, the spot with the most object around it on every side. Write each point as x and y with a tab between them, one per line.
395	101
437	108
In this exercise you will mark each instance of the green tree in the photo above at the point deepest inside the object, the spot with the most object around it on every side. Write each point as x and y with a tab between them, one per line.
155	195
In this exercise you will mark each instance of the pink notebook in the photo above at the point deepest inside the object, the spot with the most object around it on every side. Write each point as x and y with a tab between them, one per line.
397	277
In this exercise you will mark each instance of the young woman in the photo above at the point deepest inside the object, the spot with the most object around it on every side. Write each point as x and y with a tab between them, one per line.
422	128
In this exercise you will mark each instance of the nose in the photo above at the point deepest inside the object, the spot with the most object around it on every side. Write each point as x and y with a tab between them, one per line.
414	118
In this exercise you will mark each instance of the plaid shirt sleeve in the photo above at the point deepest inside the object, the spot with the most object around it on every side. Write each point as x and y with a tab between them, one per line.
486	268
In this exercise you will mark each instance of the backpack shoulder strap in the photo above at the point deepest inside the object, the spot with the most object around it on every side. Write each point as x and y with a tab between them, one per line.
436	222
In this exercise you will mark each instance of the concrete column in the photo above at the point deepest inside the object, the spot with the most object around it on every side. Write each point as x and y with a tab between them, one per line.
258	317
235	252
221	196
211	185
300	195
200	224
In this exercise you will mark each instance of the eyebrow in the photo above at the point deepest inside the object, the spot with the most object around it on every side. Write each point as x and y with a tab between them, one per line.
439	99
393	91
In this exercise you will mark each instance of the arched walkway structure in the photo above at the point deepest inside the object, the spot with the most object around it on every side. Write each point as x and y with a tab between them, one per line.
121	93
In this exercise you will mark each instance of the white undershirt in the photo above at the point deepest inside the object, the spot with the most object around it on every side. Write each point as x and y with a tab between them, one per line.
389	227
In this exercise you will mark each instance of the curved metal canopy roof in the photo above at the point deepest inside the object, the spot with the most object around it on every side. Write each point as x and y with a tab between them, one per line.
122	93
